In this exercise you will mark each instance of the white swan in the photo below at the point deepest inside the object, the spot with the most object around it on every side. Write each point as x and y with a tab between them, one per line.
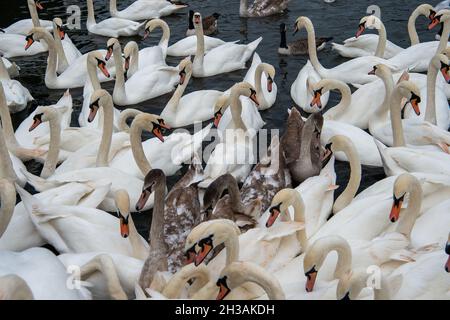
67	52
75	75
23	26
14	287
145	9
188	46
364	143
17	96
225	58
179	110
354	71
111	27
149	82
44	274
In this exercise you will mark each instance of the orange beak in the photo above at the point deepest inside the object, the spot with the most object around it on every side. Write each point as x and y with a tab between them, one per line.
310	281
217	118
223	292
444	71
109	53
190	256
36	123
434	22
105	71
158	134
254	99
395	211
415	106
360	31
316	100
269	84
39	5
274	213
30	41
124	228
206	249
142	200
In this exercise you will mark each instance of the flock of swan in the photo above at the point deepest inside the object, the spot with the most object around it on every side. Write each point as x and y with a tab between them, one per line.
232	229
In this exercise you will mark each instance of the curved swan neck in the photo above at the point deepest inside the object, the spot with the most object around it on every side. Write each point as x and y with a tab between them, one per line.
236	110
177	283
33	13
50	72
62	60
5	116
164	42
265	281
344	252
232	246
136	144
299	216
175	100
444	37
381	116
8	202
91	13
430	113
346	98
92	73
6	166
124	116
55	140
312	44
258	84
157	226
119	86
355	179
411	213
105	144
396	120
412	31
382	38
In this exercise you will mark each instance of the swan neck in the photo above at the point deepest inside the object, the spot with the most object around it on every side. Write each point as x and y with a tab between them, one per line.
33	13
236	112
8	203
382	38
177	283
93	77
53	151
140	251
105	144
119	86
50	72
6	121
268	283
137	148
430	113
258	85
346	98
396	120
312	47
175	100
411	213
157	226
4	75
299	216
200	51
444	37
412	31
6	166
62	59
232	245
91	13
164	42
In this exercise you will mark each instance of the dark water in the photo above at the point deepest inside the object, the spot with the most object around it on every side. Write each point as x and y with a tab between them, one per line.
339	20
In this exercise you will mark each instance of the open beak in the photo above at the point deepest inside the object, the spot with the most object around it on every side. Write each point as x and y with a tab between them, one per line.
36	123
396	207
310	281
142	200
158	134
223	292
30	41
415	104
444	71
217	118
254	99
360	31
124	228
434	22
92	113
39	5
199	257
105	71
316	100
269	84
274	213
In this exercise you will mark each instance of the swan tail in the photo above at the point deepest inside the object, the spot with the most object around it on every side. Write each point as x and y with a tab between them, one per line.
389	165
39	183
251	47
32	204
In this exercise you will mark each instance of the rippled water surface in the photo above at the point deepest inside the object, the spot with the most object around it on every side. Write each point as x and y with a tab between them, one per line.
339	20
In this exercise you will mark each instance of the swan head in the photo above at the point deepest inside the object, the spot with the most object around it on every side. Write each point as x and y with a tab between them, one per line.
300	23
220	106
319	88
152	25
350	287
39	5
270	71
35	34
411	92
58	24
122	200
368	22
441	62
426	10
110	45
338	143
185	68
447	251
215	191
381	70
98	99
197	19
96	58
206	236
245	89
402	186
281	203
317	252
153	178
440	17
42	114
